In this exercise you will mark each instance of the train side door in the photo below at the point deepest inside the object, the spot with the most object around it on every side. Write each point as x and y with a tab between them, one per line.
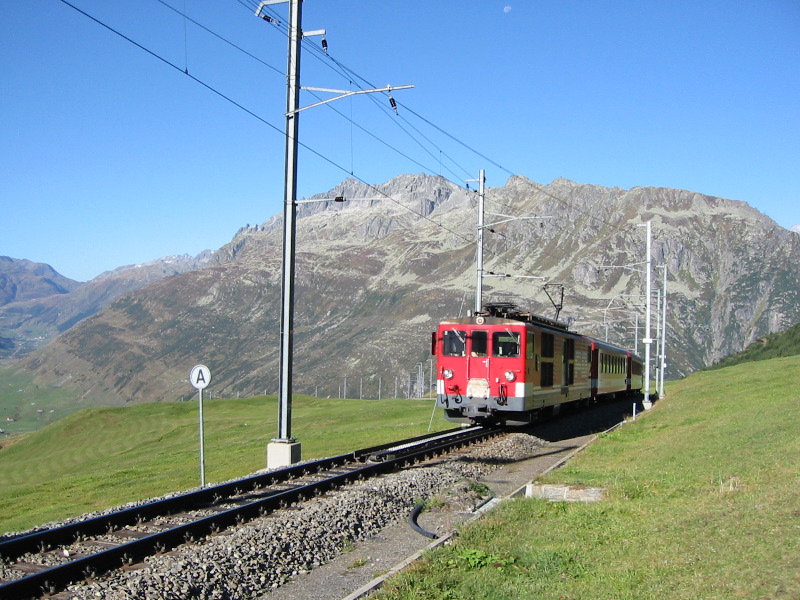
628	371
568	363
478	356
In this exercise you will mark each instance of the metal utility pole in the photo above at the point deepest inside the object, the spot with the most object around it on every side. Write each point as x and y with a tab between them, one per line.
285	450
479	284
663	335
481	227
647	341
657	338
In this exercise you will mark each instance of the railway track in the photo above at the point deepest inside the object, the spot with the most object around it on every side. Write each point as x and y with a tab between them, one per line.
46	562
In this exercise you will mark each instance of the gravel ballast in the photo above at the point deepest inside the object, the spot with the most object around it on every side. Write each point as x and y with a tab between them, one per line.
250	560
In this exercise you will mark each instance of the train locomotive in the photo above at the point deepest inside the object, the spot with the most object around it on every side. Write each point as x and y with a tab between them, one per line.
502	365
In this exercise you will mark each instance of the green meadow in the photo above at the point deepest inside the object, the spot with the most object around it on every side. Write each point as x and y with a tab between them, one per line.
103	457
703	491
703	502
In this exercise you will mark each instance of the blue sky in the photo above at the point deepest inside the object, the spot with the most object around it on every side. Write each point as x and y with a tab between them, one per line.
113	155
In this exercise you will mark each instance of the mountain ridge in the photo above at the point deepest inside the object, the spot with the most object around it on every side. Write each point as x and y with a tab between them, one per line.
53	304
374	276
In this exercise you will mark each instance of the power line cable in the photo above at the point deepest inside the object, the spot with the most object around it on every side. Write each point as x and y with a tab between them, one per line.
348	73
219	37
277	129
351	74
341	69
251	113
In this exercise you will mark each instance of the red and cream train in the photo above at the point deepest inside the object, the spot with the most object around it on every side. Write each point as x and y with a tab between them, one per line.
506	366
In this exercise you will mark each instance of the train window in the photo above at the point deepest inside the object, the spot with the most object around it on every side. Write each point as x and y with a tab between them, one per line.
569	349
480	343
547	374
505	343
529	345
454	342
548	345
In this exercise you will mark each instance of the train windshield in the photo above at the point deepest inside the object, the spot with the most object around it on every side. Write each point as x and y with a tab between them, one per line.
480	343
455	343
505	343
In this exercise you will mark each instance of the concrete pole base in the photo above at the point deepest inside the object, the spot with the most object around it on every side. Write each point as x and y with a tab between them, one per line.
282	454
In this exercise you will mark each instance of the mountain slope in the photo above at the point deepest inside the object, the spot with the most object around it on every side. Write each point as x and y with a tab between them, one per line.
374	276
779	345
22	280
45	303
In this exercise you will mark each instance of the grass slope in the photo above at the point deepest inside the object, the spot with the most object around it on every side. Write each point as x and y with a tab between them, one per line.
703	502
103	457
31	406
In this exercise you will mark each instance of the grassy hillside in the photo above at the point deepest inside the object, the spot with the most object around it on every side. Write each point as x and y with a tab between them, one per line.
26	406
102	457
703	502
776	345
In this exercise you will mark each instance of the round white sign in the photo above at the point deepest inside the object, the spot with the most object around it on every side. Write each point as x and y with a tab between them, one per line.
200	377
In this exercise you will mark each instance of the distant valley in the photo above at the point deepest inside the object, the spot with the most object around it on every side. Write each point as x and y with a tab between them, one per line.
37	303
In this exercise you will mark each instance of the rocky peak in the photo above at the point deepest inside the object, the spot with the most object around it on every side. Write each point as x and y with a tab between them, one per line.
22	280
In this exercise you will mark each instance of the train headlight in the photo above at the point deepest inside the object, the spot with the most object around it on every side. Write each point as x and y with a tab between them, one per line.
510	376
447	373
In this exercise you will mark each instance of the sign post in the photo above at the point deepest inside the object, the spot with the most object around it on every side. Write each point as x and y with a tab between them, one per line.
200	377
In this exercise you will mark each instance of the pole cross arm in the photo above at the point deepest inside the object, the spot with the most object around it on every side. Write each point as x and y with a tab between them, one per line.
337	199
343	94
493	274
629	267
509	218
261	6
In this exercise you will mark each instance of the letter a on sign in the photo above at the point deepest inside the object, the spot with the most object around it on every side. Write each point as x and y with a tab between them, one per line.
200	377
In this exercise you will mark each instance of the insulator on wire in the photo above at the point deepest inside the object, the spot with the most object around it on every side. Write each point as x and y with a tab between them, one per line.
325	45
393	103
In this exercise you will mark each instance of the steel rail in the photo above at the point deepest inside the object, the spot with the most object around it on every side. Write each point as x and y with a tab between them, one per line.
66	534
58	577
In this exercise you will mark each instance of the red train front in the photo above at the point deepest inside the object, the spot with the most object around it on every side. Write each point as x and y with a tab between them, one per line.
503	365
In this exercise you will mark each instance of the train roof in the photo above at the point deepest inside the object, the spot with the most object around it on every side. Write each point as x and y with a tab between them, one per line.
610	346
506	313
508	310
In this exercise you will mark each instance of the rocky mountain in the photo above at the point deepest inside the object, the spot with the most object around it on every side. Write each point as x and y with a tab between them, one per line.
22	280
373	277
36	303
